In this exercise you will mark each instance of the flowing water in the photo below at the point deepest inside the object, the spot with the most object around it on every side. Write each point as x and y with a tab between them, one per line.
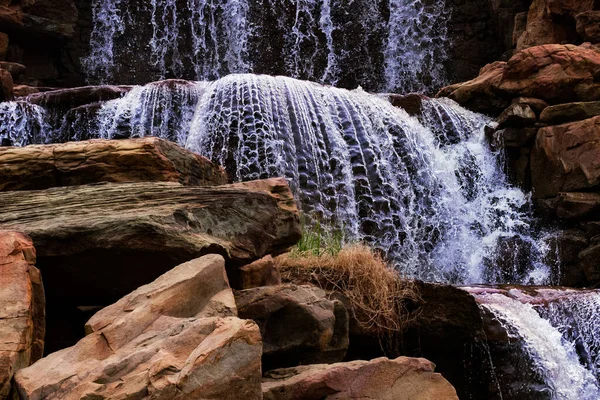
402	42
23	123
557	333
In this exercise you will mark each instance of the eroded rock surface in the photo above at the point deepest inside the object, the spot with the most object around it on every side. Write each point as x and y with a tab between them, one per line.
166	340
79	163
22	302
379	379
98	242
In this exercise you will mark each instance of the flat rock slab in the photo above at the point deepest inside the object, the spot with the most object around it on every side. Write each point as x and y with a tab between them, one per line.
175	338
380	379
79	163
21	308
96	243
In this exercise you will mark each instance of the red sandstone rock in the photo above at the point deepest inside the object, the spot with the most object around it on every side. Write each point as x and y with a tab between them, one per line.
22	324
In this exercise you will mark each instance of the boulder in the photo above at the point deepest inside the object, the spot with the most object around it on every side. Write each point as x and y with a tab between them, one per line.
564	248
172	339
537	105
98	242
6	86
298	324
569	112
15	69
262	272
379	379
588	26
79	163
22	303
553	73
3	46
65	99
572	206
480	94
517	115
566	158
591	267
412	103
517	137
552	21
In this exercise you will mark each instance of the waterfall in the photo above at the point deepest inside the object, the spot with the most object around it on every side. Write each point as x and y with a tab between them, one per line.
23	123
391	45
553	335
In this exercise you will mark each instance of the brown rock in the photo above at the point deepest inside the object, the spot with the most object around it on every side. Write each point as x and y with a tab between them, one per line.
566	158
74	97
569	112
572	206
80	163
15	69
22	304
517	137
3	46
411	103
6	83
554	73
517	116
262	272
537	105
480	94
379	379
88	235
162	341
590	259
550	21
588	26
298	324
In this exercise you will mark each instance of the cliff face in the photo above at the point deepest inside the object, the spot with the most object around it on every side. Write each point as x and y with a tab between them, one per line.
50	38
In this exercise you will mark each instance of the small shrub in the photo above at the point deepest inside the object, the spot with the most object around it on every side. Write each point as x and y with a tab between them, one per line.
377	293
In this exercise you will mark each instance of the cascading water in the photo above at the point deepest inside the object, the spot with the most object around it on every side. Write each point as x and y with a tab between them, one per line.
23	123
557	332
402	41
429	193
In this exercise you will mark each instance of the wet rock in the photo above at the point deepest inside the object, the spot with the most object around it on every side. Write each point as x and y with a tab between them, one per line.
517	137
563	256
379	379
480	94
572	206
88	235
298	324
566	158
262	272
79	163
172	339
22	302
590	260
517	115
15	69
411	103
65	99
552	21
588	26
569	112
6	86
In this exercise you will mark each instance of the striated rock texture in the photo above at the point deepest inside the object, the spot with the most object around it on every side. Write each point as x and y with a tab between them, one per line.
379	379
566	158
262	272
298	324
554	73
22	304
166	340
96	243
80	163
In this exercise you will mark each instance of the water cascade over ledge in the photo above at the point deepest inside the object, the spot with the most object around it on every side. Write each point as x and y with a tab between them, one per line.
401	43
427	191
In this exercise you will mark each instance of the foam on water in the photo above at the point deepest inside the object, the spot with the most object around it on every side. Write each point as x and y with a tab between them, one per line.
554	356
24	123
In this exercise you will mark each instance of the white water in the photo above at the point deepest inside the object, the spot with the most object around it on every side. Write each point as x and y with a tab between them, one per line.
23	123
208	39
429	193
554	356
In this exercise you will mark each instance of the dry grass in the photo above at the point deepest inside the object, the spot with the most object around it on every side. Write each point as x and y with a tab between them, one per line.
377	293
